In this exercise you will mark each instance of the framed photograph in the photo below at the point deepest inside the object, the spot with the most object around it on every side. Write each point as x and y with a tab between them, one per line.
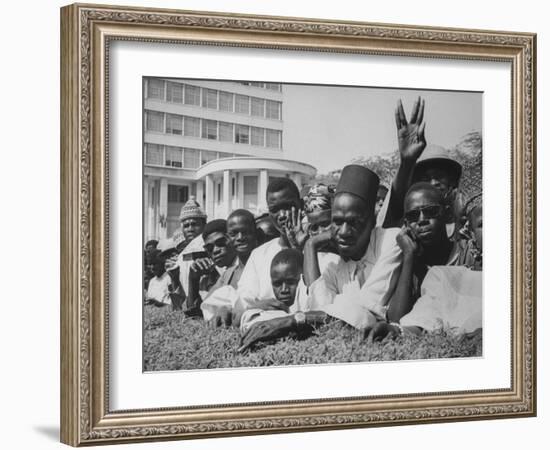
274	224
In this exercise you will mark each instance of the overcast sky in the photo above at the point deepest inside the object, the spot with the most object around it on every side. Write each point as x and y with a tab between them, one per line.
328	126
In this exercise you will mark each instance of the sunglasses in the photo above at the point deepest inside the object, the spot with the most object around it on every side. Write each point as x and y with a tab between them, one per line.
221	242
428	212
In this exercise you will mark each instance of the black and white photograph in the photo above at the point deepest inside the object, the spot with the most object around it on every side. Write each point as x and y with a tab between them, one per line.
295	224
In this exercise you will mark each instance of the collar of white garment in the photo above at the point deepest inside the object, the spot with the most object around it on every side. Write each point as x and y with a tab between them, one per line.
196	245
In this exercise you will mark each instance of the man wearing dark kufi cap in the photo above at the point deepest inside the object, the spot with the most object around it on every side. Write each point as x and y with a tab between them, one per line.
358	287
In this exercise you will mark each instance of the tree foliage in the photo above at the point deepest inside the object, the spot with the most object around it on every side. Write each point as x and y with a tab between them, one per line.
467	152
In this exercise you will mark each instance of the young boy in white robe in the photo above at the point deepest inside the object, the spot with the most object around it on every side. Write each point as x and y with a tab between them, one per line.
158	290
290	298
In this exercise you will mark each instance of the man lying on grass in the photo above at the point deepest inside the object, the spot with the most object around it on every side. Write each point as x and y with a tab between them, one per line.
440	285
242	237
358	286
222	259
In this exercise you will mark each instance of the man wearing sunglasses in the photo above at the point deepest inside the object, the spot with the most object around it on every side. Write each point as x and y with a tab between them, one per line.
424	242
207	274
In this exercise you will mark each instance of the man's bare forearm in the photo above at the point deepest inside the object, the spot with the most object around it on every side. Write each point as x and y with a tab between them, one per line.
399	187
402	300
311	263
194	298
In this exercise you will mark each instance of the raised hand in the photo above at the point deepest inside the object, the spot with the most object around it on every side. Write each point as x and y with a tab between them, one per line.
171	263
410	135
294	229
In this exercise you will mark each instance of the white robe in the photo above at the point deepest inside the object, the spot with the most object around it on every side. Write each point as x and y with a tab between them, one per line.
158	289
451	298
338	291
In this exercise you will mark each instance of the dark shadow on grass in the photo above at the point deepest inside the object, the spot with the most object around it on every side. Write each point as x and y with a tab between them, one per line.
50	432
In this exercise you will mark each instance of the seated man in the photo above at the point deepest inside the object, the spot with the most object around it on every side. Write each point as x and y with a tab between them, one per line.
425	244
318	205
472	229
358	287
204	273
193	221
290	297
284	204
169	255
158	290
149	255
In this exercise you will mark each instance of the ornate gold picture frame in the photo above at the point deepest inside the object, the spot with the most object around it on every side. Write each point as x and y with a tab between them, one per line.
87	32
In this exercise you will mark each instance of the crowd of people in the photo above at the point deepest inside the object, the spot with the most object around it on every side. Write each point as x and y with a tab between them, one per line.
387	260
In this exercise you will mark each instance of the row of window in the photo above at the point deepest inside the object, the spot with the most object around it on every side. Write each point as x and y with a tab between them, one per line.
188	158
213	99
212	129
271	86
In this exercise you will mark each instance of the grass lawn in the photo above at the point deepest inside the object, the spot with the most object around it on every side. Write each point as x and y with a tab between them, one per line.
173	342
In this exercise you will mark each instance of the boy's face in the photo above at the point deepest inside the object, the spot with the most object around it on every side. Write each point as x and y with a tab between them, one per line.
351	225
219	248
438	178
149	249
319	221
280	205
476	224
191	228
284	280
424	215
242	233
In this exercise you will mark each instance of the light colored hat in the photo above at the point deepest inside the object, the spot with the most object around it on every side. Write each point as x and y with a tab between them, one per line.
191	210
435	155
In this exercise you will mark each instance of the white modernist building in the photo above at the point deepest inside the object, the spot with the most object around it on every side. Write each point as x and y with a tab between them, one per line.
220	142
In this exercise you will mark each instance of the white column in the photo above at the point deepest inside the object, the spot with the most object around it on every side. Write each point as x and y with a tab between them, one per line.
209	204
262	189
200	193
226	192
147	230
297	178
240	190
163	206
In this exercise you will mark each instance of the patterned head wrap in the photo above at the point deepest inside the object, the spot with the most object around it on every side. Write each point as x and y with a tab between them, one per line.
319	198
474	201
